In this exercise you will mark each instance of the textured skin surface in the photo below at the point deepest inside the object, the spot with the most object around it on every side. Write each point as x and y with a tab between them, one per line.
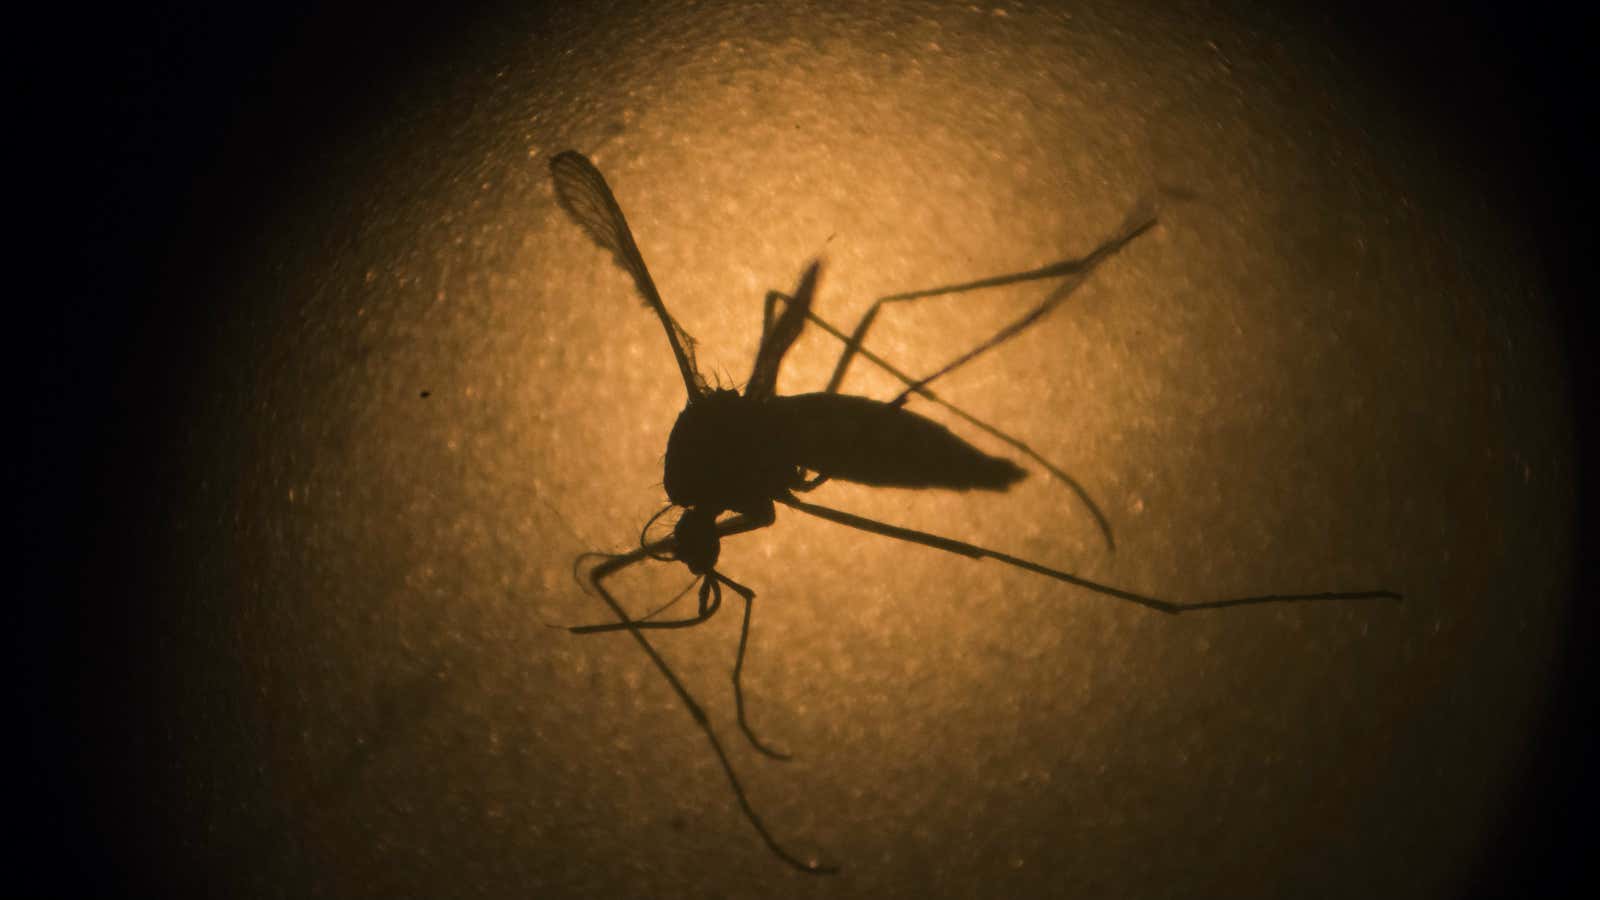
1327	368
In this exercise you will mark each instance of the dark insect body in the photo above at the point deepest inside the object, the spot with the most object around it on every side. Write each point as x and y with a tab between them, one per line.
738	453
744	453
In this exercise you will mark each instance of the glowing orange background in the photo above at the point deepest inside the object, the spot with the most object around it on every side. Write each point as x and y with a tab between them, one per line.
1326	369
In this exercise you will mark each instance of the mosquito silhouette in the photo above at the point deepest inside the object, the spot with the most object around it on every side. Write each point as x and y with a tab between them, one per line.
742	453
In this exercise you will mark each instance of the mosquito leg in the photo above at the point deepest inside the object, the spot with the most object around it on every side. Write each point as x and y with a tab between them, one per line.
597	580
768	304
1076	273
738	666
973	551
1074	270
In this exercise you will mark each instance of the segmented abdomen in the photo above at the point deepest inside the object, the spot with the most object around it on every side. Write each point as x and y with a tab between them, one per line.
870	442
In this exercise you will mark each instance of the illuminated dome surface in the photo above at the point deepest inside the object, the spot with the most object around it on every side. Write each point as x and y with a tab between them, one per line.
1328	367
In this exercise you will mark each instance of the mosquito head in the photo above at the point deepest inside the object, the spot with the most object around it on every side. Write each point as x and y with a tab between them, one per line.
696	536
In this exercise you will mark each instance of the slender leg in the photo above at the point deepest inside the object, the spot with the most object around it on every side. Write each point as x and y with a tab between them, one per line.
768	304
778	335
973	551
738	667
597	581
1074	270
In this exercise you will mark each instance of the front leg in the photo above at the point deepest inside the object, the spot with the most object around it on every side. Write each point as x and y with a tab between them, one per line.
597	579
749	597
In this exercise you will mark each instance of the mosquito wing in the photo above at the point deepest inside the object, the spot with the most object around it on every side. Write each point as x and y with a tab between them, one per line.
775	343
582	191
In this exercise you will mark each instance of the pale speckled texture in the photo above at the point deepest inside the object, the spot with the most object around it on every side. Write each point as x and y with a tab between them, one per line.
1325	371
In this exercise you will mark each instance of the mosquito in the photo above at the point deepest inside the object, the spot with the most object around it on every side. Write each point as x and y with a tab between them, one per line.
733	456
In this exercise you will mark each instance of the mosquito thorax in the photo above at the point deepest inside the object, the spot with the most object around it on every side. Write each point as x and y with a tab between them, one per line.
722	454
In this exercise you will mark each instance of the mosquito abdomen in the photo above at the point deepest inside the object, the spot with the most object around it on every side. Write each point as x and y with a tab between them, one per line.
871	442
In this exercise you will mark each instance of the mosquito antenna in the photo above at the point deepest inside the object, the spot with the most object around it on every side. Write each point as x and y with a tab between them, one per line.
582	191
670	603
583	629
577	564
644	543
